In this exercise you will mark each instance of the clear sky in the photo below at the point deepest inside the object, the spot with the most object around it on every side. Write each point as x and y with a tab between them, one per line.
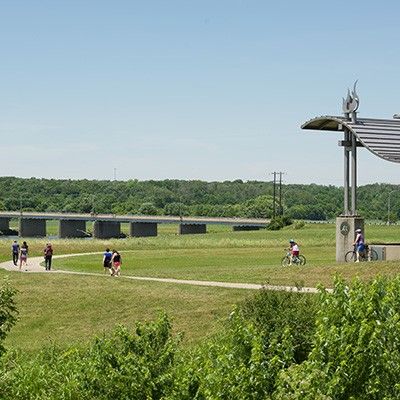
210	90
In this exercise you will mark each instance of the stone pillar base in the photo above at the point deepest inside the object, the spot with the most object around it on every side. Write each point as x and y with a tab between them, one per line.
143	229
106	229
69	228
188	229
245	228
30	227
346	233
5	224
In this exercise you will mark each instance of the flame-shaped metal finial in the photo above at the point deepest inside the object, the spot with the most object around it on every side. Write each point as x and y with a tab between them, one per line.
352	101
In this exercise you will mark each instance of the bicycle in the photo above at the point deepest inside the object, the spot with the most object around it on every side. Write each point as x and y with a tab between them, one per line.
367	255
294	260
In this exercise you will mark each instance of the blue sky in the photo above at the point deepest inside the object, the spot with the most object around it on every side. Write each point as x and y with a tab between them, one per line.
211	90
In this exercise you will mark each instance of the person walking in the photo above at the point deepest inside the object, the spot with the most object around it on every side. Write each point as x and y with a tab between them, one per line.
48	255
15	252
107	256
116	261
23	255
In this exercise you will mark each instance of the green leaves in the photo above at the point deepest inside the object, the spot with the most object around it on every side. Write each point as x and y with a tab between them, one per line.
281	346
356	350
8	311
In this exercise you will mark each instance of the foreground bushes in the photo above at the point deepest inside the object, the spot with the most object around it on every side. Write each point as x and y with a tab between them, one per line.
124	365
8	311
356	349
340	345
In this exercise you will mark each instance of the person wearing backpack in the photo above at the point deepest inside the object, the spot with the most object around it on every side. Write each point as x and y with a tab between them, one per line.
107	261
48	254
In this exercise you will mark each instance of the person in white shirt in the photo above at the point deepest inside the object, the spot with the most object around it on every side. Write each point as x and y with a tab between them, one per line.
294	250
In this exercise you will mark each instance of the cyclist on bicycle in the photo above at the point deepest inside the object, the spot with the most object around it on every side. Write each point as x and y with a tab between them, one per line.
294	250
359	242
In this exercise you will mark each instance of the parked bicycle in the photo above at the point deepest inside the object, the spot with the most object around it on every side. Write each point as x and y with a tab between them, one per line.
294	260
367	255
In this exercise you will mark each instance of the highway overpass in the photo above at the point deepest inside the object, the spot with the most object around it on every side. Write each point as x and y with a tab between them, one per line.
71	225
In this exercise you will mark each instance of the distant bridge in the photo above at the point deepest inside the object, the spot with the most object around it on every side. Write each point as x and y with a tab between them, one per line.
71	225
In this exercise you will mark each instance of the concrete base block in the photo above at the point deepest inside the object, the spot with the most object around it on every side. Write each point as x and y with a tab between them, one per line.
245	228
346	233
106	229
4	224
32	227
188	229
143	229
387	252
69	228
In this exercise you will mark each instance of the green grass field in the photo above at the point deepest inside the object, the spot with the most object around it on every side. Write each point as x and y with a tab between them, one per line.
64	308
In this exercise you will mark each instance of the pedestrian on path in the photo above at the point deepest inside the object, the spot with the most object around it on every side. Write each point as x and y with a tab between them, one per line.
23	255
15	252
48	255
116	261
107	256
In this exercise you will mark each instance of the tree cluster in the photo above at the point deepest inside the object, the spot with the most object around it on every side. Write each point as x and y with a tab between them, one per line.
252	199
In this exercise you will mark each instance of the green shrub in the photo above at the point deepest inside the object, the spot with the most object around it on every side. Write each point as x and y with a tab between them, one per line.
356	349
299	225
278	223
278	313
8	311
236	364
123	365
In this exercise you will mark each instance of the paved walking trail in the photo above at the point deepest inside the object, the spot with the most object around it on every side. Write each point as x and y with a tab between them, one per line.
35	267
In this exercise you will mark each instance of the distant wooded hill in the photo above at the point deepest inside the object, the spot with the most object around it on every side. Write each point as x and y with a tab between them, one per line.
178	197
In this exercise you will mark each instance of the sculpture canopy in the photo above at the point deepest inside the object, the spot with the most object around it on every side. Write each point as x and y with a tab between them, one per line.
380	136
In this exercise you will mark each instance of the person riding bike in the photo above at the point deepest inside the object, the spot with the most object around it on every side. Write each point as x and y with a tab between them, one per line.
359	242
294	251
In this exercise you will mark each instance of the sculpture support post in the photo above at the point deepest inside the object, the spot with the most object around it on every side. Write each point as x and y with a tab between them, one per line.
353	176
346	175
353	169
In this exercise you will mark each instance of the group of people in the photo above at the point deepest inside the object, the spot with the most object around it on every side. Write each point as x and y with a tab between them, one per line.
359	243
20	253
112	262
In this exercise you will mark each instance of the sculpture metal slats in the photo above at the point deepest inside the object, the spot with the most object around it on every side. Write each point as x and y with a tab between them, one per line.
380	136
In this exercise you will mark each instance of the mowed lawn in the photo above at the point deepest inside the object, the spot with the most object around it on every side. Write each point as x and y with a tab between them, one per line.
65	308
62	309
248	257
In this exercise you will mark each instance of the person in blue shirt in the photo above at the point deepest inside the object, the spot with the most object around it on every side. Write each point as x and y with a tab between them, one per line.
107	261
15	252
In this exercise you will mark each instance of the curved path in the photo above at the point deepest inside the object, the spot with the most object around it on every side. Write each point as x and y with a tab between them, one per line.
35	267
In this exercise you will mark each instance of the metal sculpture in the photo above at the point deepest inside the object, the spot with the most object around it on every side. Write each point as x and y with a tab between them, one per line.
352	101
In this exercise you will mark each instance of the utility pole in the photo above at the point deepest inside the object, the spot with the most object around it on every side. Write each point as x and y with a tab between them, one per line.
277	195
280	194
274	195
115	174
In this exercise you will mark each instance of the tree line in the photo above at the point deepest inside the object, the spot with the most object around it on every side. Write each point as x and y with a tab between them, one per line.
252	199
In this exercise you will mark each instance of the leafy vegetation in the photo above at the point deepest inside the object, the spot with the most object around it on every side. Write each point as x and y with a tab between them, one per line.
356	349
8	311
331	346
177	197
